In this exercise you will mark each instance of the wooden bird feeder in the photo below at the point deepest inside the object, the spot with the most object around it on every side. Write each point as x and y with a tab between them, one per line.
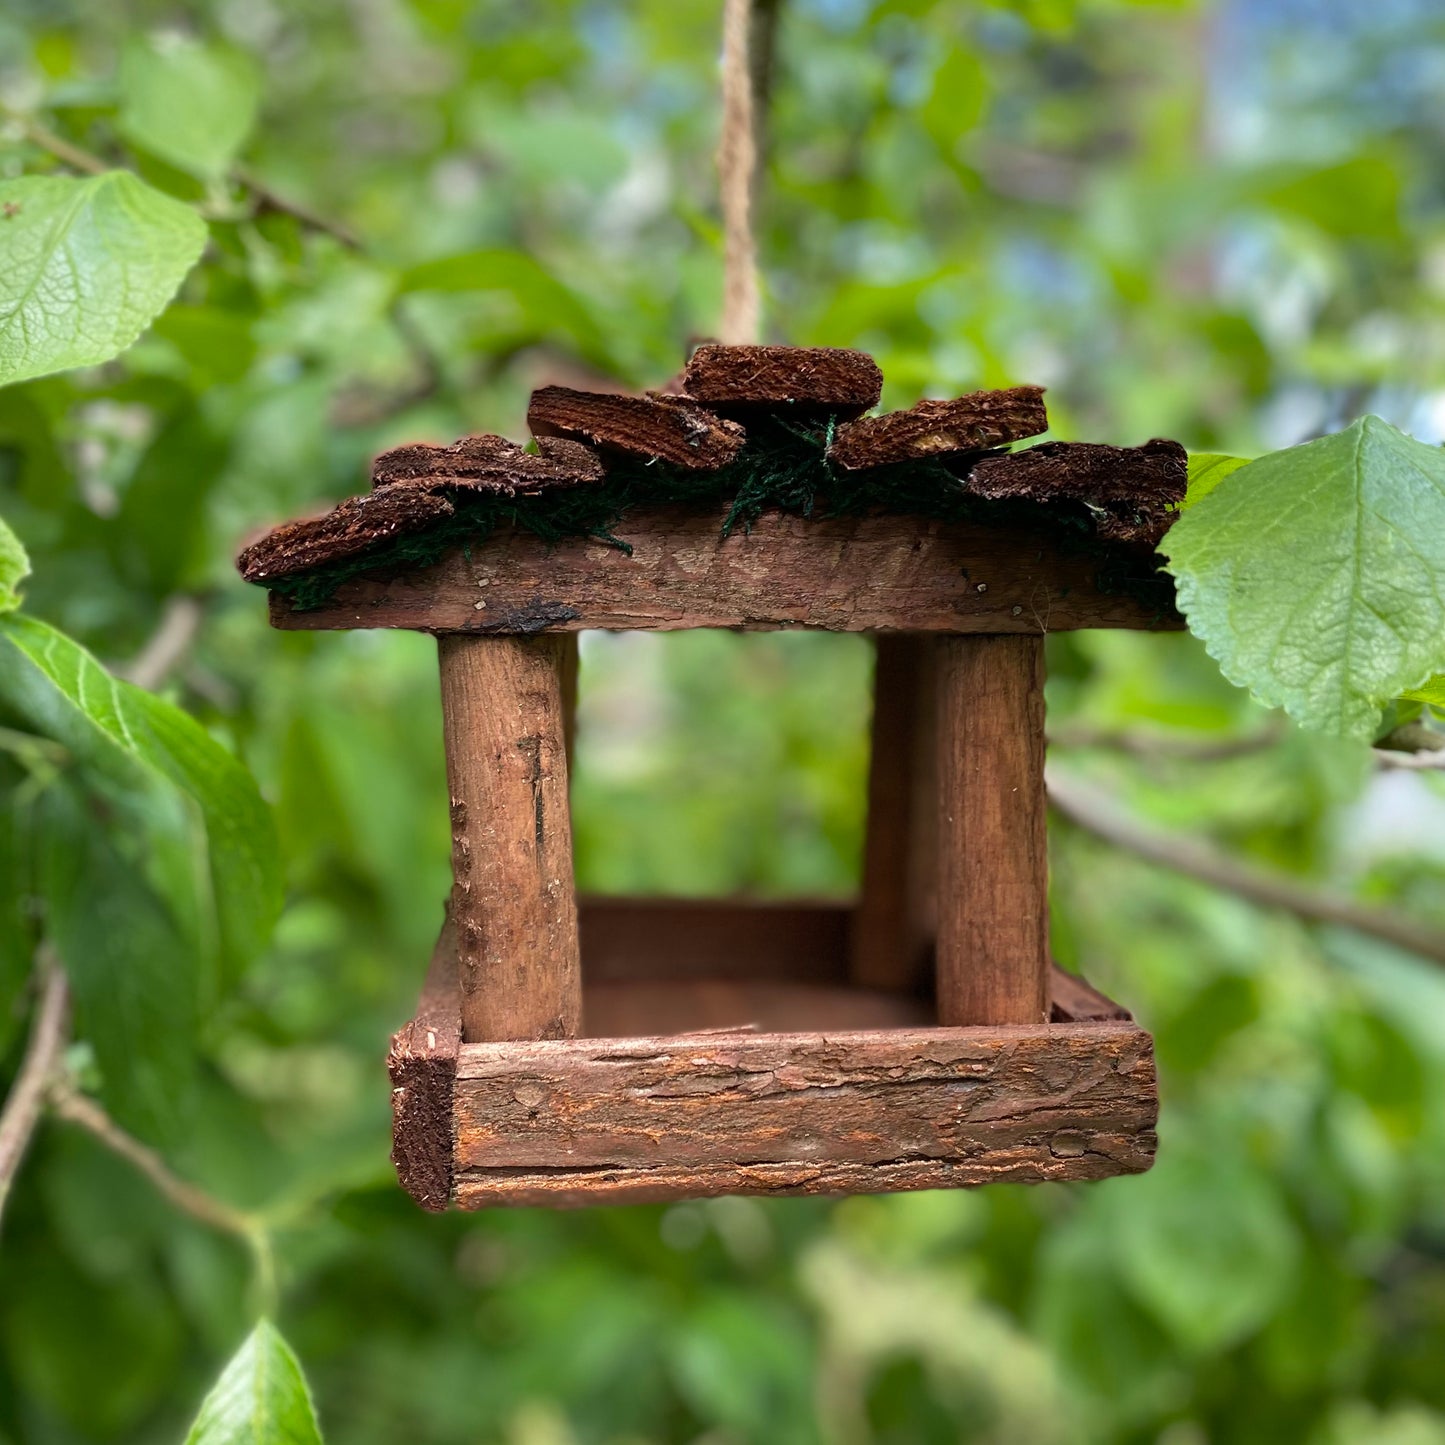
624	1050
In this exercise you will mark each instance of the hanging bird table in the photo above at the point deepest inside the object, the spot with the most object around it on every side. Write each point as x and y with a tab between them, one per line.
601	1051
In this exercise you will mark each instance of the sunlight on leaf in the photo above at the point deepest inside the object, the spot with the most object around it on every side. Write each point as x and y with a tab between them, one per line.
1432	691
85	267
1206	471
1316	575
260	1399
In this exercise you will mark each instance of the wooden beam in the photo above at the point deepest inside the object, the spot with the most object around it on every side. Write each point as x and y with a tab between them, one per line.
512	897
841	574
598	1121
893	926
993	911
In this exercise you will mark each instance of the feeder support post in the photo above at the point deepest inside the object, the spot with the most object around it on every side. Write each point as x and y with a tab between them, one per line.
993	906
513	900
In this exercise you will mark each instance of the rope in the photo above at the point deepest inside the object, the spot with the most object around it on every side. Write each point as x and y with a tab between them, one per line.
736	160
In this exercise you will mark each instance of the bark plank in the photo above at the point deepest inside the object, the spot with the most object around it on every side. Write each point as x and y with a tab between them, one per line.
861	574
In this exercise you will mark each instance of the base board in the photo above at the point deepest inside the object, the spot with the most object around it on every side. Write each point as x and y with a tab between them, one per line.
839	1109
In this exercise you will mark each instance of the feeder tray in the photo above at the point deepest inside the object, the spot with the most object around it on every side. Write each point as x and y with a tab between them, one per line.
616	1050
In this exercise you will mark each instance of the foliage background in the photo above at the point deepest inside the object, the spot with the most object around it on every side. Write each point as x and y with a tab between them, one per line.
1222	222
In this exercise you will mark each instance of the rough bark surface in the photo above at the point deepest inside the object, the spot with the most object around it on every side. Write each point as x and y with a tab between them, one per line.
1134	490
970	423
423	1067
345	531
671	427
512	896
489	463
588	1121
858	574
993	886
821	378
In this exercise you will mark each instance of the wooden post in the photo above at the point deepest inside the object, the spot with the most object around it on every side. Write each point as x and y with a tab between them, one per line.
993	915
893	924
512	897
568	681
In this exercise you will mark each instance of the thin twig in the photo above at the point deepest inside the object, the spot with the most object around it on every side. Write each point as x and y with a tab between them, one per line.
269	200
48	1036
174	634
77	1108
71	155
1160	748
67	1103
1094	812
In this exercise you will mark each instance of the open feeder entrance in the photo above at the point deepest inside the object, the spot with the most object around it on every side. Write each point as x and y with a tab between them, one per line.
631	1051
706	952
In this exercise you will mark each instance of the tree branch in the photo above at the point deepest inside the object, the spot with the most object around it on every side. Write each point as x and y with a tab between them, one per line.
1157	747
48	1036
269	200
71	155
1095	813
180	620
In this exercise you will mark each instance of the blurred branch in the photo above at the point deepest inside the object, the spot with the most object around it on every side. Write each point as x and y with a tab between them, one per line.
71	155
1167	749
180	620
67	1103
268	200
76	1108
1413	746
1095	813
48	1036
79	159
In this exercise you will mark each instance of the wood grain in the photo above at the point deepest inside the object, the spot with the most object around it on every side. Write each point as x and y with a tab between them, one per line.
941	428
512	896
893	924
864	574
585	1121
993	908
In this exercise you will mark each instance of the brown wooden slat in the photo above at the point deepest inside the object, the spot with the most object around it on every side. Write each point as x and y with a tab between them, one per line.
512	894
893	924
880	573
627	1009
936	1106
993	908
672	938
825	378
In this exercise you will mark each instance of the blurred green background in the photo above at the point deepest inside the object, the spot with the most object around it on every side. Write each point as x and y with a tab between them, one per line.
1219	222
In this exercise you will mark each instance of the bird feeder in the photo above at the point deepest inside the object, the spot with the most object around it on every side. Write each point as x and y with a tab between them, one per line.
614	1050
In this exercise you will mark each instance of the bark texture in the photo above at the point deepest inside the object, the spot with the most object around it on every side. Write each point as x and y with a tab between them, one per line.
993	885
346	531
512	897
820	378
670	427
972	423
489	463
1133	491
589	1121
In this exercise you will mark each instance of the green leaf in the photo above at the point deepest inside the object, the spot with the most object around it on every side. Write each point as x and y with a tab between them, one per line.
192	105
134	741
1206	1245
1206	471
85	266
14	568
1316	575
1432	691
132	971
260	1399
548	305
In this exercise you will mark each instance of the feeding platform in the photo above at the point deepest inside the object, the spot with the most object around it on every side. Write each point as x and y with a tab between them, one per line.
572	1051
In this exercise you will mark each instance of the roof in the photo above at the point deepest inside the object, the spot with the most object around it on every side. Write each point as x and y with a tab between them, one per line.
760	427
